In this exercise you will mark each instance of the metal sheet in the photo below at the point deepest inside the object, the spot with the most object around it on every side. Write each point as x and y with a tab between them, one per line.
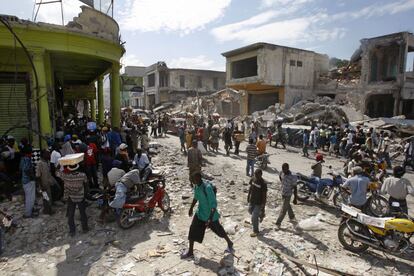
13	109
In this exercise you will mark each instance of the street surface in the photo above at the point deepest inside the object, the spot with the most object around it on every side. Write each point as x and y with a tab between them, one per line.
41	246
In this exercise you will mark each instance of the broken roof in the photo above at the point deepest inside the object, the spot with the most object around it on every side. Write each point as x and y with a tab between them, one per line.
256	46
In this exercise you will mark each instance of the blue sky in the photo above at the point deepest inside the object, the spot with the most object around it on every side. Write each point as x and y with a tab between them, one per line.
194	33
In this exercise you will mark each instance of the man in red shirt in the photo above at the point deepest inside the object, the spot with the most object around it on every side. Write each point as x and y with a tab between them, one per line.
91	164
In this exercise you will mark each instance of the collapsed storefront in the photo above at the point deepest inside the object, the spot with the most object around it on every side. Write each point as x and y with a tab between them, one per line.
45	67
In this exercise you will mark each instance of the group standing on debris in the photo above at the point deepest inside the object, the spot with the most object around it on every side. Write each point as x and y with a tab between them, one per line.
83	157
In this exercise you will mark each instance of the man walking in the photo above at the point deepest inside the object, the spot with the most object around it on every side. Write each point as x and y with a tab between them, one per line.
251	151
194	161
74	189
257	200
206	216
289	182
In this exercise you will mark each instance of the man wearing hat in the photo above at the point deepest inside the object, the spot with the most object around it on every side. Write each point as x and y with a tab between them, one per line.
74	187
358	184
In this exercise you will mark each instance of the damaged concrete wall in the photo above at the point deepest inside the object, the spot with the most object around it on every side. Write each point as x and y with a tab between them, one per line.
95	22
202	81
271	64
299	69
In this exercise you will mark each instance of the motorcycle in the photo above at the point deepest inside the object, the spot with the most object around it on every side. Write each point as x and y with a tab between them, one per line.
307	186
263	160
377	205
358	232
140	202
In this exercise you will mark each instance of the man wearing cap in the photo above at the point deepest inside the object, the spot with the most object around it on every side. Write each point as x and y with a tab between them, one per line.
358	184
123	156
74	187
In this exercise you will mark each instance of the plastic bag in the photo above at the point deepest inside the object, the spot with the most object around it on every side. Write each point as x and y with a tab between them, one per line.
314	223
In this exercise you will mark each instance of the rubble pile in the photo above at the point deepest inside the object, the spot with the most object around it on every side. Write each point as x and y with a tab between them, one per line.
305	112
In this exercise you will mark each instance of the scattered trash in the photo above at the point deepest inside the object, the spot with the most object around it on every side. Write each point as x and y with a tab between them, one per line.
314	223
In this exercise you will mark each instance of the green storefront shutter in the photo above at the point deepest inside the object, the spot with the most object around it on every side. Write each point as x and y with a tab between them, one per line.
13	109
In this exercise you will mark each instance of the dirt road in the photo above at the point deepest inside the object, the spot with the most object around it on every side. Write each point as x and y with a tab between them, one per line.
41	246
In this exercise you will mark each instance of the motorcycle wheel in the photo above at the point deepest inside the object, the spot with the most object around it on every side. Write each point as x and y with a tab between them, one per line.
165	203
338	199
303	191
123	219
378	205
345	237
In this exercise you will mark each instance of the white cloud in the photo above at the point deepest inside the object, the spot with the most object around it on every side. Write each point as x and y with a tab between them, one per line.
376	10
181	16
293	24
270	3
130	60
51	13
300	30
197	62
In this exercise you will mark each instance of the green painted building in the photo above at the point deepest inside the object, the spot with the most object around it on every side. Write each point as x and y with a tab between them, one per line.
43	66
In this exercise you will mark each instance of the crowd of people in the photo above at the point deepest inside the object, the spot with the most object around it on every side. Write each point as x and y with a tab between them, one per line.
366	154
124	158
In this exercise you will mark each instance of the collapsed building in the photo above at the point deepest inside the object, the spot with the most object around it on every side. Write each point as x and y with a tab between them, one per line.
45	67
165	85
266	74
378	81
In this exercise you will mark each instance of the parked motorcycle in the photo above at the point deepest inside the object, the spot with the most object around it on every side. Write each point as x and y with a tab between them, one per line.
377	205
358	232
140	202
263	161
307	186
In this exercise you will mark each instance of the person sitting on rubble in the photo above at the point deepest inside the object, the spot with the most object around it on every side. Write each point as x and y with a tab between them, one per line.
143	164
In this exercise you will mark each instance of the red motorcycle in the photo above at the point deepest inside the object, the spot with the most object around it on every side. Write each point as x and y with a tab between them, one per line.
140	202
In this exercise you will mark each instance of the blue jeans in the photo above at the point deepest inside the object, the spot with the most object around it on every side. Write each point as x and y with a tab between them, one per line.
250	167
255	211
29	197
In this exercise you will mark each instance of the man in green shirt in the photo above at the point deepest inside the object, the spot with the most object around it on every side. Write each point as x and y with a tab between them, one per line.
206	216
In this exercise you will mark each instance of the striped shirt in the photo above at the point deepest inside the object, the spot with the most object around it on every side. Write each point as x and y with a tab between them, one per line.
73	185
251	152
